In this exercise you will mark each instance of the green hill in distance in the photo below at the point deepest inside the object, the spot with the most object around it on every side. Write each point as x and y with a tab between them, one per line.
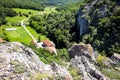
33	4
27	4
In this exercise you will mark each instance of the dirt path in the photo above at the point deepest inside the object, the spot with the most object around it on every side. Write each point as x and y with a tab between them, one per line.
22	24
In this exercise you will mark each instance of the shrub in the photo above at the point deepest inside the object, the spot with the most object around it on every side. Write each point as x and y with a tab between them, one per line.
48	57
100	61
74	73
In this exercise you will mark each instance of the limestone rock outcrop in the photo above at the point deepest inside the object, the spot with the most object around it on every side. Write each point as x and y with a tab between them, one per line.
90	13
82	58
18	62
115	58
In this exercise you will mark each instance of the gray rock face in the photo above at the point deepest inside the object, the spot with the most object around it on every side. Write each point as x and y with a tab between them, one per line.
89	14
116	58
84	61
61	71
18	62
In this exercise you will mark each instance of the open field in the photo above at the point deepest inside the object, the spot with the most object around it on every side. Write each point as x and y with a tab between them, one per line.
29	12
16	19
48	10
20	34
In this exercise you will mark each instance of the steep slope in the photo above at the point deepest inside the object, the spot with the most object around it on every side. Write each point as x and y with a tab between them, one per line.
97	23
90	12
18	62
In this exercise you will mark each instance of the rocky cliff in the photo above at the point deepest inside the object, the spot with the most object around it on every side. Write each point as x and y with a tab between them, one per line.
18	62
97	23
83	59
90	12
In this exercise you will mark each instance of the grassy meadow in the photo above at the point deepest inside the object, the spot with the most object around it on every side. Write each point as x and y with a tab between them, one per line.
15	20
23	12
20	34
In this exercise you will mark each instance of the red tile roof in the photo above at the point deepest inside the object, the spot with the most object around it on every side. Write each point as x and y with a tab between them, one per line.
48	43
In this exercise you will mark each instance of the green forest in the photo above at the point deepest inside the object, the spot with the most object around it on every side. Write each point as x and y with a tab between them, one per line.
26	4
4	12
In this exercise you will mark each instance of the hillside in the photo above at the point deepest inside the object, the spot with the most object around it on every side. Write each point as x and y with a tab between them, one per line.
59	26
59	40
97	23
33	4
27	4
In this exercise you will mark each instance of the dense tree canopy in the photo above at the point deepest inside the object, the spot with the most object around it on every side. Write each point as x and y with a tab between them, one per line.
58	26
6	12
27	4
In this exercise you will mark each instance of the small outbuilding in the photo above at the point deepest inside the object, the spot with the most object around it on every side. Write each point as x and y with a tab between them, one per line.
46	44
